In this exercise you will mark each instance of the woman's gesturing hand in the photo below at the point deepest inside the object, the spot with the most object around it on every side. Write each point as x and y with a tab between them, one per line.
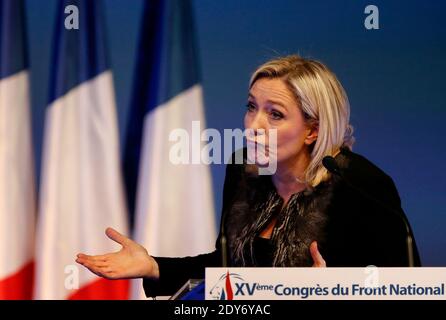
132	261
318	261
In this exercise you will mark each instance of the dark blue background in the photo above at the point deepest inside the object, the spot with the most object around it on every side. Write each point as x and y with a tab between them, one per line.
394	77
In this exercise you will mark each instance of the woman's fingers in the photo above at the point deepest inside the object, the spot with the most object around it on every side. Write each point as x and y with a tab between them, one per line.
117	237
99	268
99	258
98	264
318	260
132	261
92	267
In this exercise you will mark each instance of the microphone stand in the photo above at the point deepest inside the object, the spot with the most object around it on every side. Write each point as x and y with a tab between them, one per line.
223	240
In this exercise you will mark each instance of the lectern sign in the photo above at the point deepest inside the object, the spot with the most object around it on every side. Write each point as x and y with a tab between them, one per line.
370	283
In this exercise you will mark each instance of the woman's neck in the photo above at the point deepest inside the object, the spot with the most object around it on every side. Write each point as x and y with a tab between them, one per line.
289	178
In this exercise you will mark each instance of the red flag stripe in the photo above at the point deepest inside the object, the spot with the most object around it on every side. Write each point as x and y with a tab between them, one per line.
229	293
18	286
103	289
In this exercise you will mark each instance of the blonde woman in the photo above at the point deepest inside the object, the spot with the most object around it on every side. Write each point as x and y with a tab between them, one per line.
301	215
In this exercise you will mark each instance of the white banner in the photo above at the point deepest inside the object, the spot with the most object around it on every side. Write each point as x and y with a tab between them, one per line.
369	283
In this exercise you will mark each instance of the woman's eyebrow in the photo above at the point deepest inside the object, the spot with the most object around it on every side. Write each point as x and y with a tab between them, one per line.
276	102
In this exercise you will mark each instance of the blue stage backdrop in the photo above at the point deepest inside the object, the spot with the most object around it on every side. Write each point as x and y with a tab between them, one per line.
394	77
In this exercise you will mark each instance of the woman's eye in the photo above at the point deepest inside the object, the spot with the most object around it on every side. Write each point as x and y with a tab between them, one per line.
276	115
250	107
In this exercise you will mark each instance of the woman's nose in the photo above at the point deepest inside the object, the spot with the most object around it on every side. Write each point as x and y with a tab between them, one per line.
258	123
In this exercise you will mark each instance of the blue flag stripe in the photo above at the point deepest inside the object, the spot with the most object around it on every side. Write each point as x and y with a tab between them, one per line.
167	53
78	54
166	66
13	46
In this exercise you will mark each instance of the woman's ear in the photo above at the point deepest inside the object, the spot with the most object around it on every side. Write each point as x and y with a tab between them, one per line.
312	135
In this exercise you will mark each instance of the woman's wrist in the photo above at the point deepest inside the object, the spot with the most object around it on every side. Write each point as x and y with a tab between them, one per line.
152	271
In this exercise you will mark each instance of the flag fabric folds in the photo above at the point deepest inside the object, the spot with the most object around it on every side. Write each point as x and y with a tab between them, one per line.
17	184
174	213
81	185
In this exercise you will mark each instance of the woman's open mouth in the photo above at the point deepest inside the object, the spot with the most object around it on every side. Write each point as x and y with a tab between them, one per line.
258	153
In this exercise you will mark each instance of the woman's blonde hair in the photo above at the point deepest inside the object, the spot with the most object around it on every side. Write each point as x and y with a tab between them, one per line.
323	102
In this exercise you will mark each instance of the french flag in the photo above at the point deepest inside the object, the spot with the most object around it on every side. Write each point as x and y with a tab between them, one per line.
17	184
173	202
81	184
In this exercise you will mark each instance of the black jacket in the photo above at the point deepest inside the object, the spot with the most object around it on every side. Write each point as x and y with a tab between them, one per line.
358	231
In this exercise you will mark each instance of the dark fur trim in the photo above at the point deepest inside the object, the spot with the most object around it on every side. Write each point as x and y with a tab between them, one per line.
300	223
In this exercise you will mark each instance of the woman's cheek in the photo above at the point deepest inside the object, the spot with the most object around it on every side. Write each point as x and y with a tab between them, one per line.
246	121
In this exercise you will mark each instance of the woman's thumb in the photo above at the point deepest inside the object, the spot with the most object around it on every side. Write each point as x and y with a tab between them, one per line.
116	236
318	260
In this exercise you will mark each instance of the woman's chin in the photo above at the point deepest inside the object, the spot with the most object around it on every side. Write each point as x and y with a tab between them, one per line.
257	158
261	156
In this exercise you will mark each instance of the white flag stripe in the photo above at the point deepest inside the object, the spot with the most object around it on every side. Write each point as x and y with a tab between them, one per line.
175	210
81	190
17	185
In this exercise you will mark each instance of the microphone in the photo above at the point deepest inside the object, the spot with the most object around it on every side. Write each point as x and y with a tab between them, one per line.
223	241
331	165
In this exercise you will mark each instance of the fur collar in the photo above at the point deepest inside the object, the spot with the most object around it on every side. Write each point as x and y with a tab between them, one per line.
302	221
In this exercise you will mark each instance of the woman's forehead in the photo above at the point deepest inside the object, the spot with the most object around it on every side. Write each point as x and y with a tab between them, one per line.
273	90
